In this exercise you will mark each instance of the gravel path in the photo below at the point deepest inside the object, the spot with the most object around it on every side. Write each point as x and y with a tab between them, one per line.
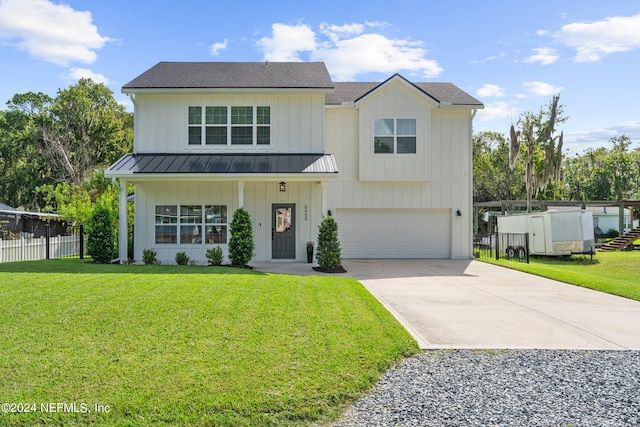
505	388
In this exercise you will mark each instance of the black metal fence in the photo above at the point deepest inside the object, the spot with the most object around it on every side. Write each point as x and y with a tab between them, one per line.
25	247
510	246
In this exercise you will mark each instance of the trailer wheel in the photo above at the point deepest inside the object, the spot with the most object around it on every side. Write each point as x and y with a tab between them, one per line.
511	252
520	252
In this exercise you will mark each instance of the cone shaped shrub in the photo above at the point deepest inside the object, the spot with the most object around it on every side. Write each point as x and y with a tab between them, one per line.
241	243
101	243
328	253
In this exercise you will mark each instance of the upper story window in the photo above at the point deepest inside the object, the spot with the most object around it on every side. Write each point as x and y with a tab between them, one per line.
396	136
224	125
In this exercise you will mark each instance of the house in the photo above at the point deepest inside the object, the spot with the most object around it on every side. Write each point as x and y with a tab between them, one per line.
391	161
15	222
608	218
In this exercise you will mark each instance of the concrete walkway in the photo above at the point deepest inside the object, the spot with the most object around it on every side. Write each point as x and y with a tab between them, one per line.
470	304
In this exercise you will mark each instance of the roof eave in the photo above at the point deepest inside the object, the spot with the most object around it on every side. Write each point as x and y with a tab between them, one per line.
322	90
461	106
306	176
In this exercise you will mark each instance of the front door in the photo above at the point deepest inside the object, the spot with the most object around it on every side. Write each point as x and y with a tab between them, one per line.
283	231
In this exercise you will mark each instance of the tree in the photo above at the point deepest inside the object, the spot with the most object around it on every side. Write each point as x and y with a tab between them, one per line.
21	157
329	255
241	245
604	174
70	201
493	179
84	128
536	132
46	140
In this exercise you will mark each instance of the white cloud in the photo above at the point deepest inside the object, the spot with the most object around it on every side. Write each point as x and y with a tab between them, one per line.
594	40
287	42
489	90
594	138
218	47
84	73
51	32
337	32
543	55
348	49
541	88
495	110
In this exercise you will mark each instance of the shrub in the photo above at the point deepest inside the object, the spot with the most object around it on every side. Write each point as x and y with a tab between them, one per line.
214	255
182	258
328	252
241	243
101	242
149	256
612	233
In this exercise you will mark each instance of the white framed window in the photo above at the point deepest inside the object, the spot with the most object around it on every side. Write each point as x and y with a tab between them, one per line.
191	224
229	125
394	136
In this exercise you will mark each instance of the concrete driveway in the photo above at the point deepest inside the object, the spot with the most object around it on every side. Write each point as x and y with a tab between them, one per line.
470	304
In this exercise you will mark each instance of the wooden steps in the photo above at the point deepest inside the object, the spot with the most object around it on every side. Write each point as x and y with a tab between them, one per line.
621	242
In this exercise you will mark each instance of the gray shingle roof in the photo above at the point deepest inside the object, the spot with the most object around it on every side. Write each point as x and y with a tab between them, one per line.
226	163
441	92
212	75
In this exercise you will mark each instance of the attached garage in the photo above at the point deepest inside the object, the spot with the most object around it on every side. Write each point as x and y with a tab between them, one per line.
394	233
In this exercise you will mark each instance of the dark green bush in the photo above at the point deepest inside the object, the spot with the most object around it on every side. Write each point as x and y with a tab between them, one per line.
612	233
149	256
328	252
182	258
214	255
241	243
101	242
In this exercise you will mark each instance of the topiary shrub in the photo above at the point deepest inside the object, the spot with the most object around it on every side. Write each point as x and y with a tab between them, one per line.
328	251
214	255
241	243
101	242
182	258
150	256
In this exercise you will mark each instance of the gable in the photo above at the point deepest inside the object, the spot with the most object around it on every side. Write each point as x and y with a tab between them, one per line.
443	94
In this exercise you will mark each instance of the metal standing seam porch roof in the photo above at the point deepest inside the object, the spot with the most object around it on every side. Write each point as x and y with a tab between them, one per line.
140	165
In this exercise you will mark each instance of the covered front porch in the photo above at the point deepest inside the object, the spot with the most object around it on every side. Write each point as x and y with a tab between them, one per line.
178	211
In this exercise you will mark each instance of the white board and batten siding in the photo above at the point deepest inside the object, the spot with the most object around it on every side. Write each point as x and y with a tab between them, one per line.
258	200
297	122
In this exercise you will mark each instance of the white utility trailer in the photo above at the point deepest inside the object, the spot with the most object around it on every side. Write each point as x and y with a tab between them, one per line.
553	232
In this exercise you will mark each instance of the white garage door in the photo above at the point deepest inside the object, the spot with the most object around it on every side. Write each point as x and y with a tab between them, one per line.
394	233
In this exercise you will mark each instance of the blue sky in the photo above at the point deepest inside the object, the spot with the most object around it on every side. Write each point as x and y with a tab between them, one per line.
511	55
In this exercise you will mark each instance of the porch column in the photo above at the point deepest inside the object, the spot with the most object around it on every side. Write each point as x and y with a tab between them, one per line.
240	194
323	189
123	237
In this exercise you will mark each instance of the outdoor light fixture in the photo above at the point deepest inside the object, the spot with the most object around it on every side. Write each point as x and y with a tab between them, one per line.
458	213
283	186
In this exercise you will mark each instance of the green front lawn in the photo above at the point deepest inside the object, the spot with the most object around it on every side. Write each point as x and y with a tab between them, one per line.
616	273
186	345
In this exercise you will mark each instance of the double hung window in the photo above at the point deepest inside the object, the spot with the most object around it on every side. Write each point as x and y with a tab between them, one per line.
225	126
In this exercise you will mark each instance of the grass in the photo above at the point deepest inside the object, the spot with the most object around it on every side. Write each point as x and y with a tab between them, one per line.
616	273
187	345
